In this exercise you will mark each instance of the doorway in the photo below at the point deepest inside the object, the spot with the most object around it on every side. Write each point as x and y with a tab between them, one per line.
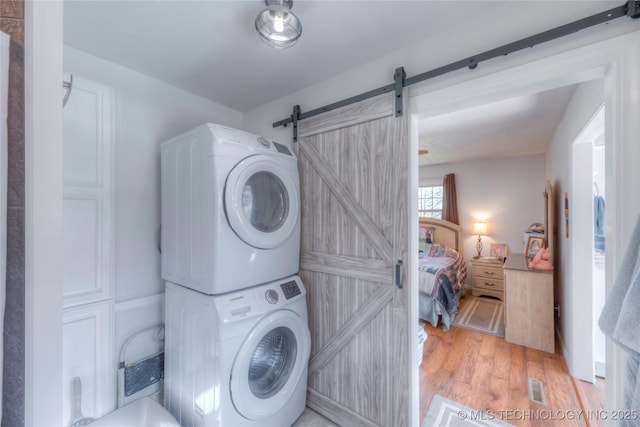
545	74
589	244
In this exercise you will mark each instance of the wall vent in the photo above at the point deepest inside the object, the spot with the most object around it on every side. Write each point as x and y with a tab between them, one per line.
536	391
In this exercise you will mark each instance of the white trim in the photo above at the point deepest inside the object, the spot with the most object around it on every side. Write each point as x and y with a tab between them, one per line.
412	277
622	156
581	242
617	61
157	299
430	181
98	374
43	213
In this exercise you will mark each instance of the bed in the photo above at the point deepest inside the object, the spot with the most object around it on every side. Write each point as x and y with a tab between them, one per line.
442	270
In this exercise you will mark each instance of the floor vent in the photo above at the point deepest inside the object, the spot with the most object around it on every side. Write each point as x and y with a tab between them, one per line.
536	391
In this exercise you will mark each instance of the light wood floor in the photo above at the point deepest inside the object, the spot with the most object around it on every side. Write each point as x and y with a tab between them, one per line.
487	373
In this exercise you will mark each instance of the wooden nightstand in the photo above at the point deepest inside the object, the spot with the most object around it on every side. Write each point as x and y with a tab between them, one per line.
488	277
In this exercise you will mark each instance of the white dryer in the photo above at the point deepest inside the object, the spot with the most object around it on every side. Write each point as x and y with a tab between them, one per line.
238	359
230	210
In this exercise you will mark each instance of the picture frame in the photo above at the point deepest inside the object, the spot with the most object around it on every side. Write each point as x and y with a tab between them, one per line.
534	245
498	250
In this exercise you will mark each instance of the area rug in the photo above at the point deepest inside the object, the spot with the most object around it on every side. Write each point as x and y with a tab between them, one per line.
484	315
446	413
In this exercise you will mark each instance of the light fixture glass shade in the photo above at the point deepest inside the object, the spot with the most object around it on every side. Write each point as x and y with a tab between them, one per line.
277	25
480	228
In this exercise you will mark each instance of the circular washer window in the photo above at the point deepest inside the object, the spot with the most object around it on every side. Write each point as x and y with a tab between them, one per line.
271	362
261	201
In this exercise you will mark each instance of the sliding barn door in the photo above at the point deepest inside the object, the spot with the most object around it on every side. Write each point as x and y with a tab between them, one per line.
355	196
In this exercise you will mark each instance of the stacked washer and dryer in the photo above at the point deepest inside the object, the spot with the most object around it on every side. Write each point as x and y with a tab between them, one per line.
237	340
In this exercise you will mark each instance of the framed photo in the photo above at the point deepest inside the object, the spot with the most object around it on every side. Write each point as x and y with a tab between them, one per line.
534	244
498	250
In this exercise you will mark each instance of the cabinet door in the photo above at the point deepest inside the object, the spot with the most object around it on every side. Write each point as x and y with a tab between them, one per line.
529	309
88	189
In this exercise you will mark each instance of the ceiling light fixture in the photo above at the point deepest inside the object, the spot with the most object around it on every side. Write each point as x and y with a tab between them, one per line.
277	25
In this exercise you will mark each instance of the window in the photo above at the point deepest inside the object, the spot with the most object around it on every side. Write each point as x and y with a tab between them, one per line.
430	199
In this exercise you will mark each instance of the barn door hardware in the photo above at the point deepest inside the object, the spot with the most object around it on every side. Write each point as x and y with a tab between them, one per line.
295	115
68	85
633	9
399	274
630	9
399	77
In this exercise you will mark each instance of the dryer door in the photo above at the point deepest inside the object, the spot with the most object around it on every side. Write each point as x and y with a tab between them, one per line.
270	364
261	200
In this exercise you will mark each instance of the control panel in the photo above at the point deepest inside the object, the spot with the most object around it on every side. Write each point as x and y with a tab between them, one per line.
258	300
264	141
283	149
271	296
290	289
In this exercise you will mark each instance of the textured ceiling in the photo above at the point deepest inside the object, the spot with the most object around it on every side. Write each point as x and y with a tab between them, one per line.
512	127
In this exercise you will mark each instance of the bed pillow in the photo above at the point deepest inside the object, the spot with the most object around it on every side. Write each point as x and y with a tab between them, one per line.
438	250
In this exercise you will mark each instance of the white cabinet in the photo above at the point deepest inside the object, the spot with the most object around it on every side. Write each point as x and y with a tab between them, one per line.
88	249
88	193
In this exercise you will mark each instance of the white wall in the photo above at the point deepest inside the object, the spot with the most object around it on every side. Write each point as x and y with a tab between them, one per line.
588	98
506	193
43	217
147	112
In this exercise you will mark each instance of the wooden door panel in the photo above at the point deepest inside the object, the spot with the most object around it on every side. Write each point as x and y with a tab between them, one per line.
366	269
333	374
354	114
336	300
361	384
353	327
348	204
354	227
322	211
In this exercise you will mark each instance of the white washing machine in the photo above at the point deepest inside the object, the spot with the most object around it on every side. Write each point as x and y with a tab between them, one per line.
239	359
230	210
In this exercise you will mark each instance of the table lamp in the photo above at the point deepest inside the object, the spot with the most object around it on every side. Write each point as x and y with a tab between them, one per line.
480	228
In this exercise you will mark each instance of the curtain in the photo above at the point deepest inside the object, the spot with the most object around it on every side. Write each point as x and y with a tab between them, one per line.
450	208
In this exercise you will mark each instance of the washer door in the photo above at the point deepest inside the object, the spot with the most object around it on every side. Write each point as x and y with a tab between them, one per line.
261	200
270	364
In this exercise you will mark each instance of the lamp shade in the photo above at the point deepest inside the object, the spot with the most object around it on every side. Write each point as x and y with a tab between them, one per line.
480	228
277	25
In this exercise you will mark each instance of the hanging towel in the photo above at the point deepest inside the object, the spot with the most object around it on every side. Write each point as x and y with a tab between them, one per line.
598	223
620	318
